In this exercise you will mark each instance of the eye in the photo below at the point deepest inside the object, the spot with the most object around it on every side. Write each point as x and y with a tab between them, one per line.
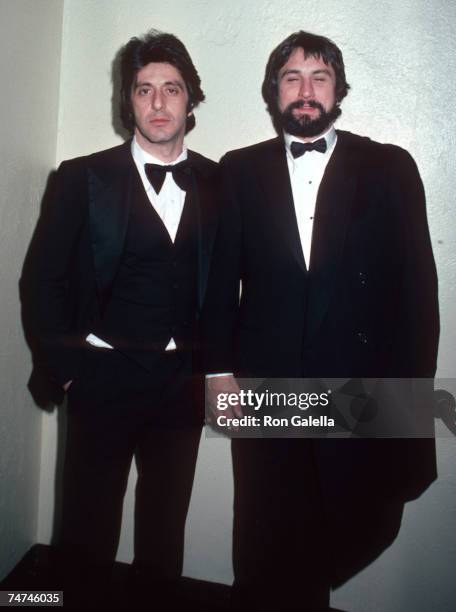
143	91
172	90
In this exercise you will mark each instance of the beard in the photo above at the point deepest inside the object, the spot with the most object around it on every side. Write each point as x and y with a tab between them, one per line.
306	126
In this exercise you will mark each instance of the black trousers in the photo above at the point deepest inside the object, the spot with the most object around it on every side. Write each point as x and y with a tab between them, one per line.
117	411
280	549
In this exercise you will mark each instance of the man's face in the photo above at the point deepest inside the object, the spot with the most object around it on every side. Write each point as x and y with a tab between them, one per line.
159	100
306	95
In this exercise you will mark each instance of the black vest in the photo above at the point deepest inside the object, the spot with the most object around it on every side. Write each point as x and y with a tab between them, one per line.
154	296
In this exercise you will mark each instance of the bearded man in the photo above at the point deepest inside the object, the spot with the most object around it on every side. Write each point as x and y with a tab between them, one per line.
327	232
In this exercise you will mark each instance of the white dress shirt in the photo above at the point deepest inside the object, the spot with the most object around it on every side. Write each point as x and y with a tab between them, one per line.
306	173
168	204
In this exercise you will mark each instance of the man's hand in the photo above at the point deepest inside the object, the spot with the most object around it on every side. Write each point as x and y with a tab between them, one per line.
226	385
67	385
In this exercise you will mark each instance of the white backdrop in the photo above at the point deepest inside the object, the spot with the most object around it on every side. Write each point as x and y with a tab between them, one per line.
400	62
30	36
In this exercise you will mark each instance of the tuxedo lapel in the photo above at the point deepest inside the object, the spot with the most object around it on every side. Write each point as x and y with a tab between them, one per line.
110	181
332	211
273	175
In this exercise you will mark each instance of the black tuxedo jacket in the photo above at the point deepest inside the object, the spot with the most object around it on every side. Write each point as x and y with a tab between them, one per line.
80	243
367	307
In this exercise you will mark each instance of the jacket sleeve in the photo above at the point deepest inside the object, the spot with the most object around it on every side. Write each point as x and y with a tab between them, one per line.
418	316
221	306
49	293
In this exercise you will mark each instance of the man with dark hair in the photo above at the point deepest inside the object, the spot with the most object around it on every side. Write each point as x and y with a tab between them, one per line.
162	48
327	232
120	274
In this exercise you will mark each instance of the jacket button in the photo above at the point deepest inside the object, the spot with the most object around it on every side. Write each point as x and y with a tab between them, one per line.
362	278
362	337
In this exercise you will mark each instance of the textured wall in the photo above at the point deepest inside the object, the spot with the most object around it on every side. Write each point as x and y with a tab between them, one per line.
30	34
401	64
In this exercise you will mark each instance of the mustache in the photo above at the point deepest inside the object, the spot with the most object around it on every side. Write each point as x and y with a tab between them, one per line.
301	103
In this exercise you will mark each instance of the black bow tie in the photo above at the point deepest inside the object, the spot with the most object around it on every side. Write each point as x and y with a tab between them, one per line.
299	148
181	174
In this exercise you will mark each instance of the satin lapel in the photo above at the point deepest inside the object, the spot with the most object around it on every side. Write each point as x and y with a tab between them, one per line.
274	177
332	212
110	189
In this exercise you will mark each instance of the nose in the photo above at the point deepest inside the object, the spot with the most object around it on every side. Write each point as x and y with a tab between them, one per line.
157	100
306	90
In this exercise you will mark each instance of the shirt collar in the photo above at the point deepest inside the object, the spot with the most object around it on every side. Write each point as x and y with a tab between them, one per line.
142	157
330	136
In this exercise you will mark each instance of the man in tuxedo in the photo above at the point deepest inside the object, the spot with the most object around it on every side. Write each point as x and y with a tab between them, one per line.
119	276
327	233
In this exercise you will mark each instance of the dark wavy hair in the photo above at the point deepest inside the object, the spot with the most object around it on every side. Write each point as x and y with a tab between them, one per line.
312	45
156	46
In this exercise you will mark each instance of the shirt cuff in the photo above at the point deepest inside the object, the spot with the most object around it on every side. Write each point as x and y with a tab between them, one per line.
218	375
98	342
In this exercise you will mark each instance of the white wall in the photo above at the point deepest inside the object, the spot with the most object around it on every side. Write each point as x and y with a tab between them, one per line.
400	62
30	36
